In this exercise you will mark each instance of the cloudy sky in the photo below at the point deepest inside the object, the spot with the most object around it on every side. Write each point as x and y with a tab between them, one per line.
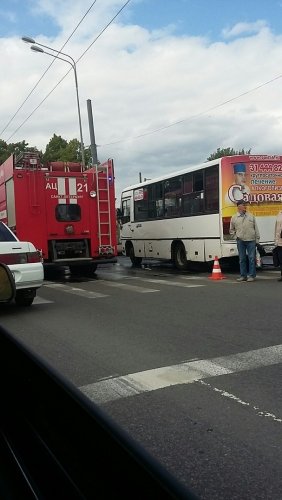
170	81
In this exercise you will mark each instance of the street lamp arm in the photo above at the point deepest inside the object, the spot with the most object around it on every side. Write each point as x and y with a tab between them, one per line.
27	39
37	49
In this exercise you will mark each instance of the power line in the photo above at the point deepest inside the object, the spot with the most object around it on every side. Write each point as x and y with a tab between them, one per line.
47	69
160	129
104	29
43	100
190	118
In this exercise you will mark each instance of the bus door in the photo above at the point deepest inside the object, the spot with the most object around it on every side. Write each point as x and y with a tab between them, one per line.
125	217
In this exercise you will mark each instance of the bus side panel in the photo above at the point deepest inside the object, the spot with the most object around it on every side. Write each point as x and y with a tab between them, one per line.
213	248
138	246
195	250
158	249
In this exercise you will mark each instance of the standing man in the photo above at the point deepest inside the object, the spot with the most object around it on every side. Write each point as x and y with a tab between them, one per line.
244	228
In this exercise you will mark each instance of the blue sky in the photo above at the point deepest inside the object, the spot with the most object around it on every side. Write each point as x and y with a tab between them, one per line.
17	17
205	17
193	17
170	80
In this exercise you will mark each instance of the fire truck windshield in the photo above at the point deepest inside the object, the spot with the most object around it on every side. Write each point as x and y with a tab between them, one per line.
67	213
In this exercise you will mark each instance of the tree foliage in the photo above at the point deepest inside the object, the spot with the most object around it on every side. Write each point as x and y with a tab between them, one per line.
57	149
54	149
14	147
220	152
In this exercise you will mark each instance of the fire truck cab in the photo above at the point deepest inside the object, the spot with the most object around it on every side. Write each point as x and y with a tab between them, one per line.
67	212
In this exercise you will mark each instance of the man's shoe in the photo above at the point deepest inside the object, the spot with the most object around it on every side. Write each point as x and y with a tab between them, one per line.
242	278
250	278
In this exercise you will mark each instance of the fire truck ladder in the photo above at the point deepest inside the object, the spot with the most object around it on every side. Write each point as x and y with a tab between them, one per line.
104	210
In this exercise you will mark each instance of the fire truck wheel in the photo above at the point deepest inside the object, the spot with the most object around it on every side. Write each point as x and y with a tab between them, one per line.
24	297
136	261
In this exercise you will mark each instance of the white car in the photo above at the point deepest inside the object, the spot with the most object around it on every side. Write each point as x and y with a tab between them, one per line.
25	263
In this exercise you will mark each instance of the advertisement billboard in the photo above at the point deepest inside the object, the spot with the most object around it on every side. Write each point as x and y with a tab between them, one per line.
257	179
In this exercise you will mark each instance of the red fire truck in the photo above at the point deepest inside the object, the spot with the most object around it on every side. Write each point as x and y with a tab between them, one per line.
67	212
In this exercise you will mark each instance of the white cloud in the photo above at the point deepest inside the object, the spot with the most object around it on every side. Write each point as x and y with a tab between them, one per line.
139	82
241	29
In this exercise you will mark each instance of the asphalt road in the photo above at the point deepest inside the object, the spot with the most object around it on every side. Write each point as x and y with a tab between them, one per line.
191	367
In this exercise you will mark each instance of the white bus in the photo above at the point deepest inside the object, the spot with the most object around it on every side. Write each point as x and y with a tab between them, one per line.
185	216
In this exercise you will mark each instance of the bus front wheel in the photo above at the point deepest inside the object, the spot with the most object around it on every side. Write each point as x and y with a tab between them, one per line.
180	260
136	261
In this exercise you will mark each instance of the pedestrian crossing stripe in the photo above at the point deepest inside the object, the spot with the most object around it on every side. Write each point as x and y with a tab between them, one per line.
125	286
40	300
88	294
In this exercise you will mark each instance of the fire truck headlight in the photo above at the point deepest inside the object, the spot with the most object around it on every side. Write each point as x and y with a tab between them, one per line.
93	194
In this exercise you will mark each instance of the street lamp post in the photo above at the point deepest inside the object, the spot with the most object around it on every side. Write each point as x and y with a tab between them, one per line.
36	47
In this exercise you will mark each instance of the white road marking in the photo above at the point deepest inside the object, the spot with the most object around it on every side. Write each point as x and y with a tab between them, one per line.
76	291
273	275
260	413
206	278
125	286
117	276
132	384
40	300
193	277
167	282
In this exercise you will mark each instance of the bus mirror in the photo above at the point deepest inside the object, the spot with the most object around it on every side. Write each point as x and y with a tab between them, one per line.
7	284
119	213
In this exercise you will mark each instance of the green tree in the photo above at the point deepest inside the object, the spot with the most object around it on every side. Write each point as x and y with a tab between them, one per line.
58	149
4	154
72	151
7	150
55	149
220	152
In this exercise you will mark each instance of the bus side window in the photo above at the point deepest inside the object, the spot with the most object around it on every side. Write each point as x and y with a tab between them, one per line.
159	199
212	189
155	201
152	209
141	204
193	197
172	195
125	212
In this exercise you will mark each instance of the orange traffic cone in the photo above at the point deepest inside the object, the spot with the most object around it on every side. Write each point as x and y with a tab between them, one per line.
216	271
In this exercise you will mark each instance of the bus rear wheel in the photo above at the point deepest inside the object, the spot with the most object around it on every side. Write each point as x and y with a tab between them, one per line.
180	260
136	261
